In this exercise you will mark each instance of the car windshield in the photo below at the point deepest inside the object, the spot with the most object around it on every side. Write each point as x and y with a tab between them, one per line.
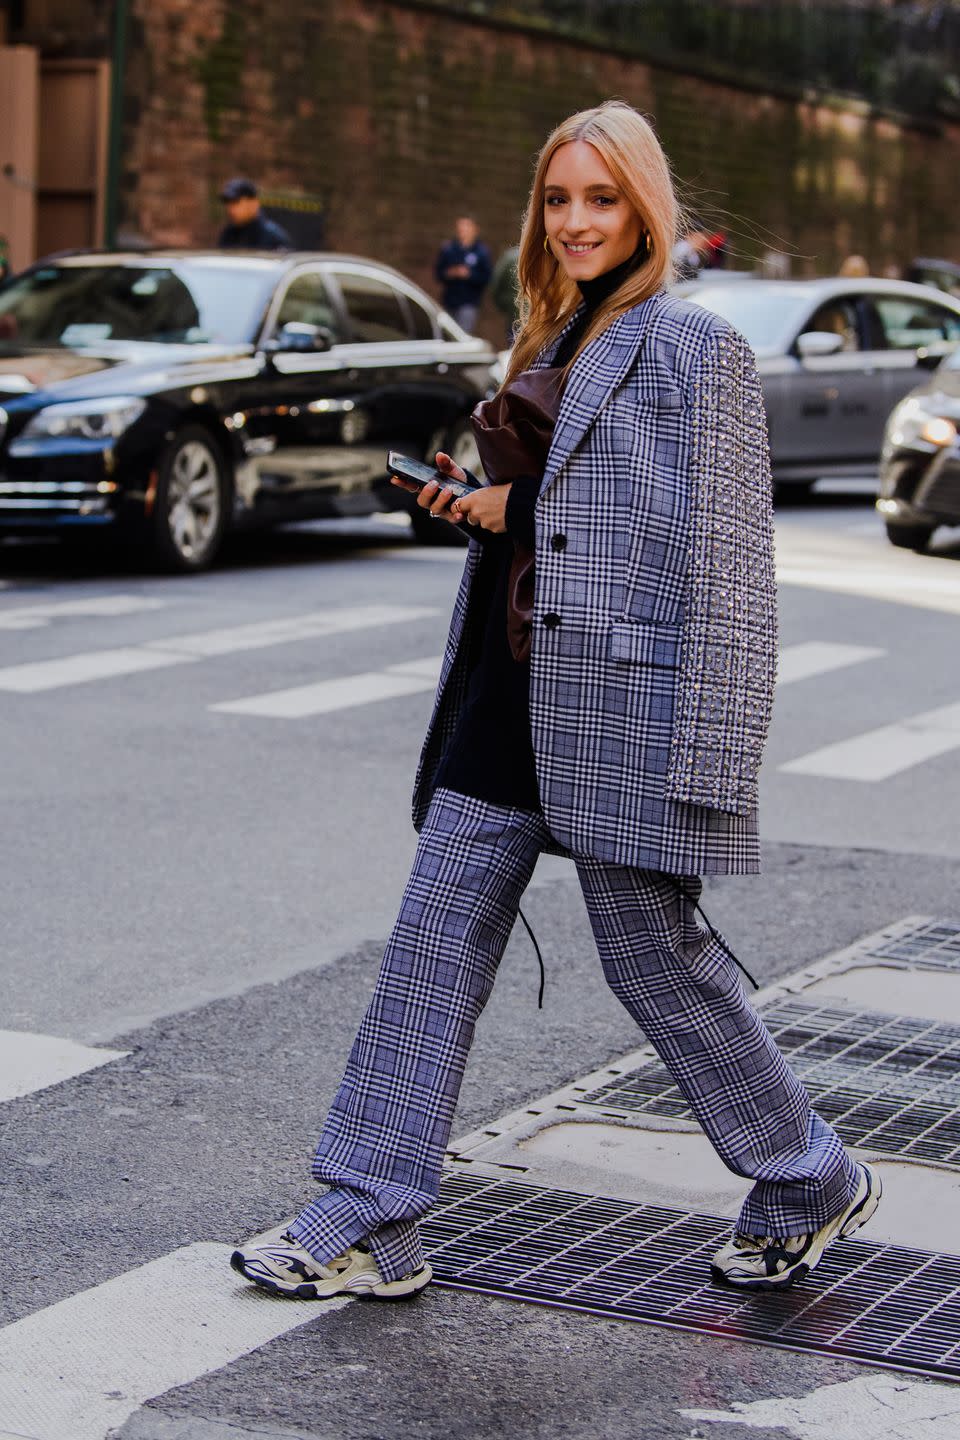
190	302
763	313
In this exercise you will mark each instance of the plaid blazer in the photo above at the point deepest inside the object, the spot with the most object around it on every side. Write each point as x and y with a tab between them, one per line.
654	646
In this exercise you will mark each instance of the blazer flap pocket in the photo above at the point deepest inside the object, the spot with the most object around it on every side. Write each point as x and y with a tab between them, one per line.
634	644
645	398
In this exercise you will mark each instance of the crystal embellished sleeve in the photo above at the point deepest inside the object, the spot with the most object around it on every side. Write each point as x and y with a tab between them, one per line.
728	653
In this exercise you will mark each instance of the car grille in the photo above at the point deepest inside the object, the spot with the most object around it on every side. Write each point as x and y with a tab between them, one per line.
941	493
77	497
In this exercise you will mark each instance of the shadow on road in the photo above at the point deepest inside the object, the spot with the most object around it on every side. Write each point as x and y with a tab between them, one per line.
92	558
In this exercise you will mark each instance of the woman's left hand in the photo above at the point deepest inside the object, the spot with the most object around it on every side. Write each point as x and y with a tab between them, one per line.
486	507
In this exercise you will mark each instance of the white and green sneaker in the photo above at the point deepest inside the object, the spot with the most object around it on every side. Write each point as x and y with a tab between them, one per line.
764	1262
278	1262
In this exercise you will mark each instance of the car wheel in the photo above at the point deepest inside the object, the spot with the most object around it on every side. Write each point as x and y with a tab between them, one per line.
190	508
909	537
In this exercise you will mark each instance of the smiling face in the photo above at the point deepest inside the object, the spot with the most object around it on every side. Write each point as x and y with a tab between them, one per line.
591	225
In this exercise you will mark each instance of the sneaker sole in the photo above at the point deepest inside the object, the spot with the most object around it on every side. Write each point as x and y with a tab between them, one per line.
408	1288
850	1220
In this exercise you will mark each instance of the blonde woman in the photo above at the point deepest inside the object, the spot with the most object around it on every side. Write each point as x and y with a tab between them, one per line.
605	694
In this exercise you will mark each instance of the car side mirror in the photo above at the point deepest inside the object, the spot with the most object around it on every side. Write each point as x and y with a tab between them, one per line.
816	344
299	338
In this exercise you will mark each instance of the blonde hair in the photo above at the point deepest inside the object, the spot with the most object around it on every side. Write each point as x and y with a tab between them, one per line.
635	158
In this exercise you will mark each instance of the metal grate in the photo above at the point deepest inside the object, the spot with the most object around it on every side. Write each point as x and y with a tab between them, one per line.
874	1303
928	944
887	1082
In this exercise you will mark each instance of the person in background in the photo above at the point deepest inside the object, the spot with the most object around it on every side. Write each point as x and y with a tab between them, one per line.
463	270
5	267
854	267
247	227
687	255
504	290
715	251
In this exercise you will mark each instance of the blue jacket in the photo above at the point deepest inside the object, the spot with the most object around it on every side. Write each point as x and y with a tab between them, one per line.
467	290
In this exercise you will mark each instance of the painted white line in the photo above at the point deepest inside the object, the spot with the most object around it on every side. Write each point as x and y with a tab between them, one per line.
428	668
879	754
856	565
325	696
30	617
881	1406
180	649
76	669
80	1368
31	1062
289	628
818	657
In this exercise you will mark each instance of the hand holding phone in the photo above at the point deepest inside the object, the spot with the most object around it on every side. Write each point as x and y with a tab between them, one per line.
415	472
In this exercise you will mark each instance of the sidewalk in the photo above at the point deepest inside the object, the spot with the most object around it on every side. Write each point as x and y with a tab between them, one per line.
605	1197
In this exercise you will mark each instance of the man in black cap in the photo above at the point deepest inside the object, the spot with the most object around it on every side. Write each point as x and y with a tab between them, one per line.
248	229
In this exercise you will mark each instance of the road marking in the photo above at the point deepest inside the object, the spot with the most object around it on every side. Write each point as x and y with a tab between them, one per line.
324	696
76	669
879	754
181	649
896	1409
854	565
818	657
31	617
81	1367
264	633
31	1062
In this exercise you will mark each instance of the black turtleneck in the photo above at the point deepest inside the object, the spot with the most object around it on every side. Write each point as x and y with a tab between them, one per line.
490	755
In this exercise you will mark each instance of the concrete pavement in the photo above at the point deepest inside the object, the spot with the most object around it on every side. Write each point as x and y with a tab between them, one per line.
209	891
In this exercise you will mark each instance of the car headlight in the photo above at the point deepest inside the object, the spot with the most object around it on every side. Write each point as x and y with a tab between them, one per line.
911	421
85	419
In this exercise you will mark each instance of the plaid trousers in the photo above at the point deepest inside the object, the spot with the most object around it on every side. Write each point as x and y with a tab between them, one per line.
383	1143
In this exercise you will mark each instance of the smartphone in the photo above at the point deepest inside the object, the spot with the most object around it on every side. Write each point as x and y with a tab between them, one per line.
421	474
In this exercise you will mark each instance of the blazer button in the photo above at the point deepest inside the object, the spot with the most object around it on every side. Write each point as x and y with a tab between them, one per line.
551	620
558	542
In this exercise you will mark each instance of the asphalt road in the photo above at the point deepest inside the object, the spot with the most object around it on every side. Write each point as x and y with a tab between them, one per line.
208	889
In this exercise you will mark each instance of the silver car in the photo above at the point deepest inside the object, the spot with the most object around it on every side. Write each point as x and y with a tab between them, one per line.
835	356
920	463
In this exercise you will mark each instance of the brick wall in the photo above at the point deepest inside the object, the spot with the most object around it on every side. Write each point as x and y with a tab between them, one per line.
396	118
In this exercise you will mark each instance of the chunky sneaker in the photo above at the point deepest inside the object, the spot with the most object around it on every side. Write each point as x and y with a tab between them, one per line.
761	1262
278	1262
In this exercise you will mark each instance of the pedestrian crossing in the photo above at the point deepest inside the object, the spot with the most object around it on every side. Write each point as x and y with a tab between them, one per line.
34	1062
137	1335
873	756
411	677
182	649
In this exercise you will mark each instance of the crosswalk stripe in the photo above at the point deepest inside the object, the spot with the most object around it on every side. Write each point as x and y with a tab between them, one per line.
81	1367
38	675
797	662
884	752
180	649
263	633
819	657
851	565
323	696
31	617
31	1062
897	1408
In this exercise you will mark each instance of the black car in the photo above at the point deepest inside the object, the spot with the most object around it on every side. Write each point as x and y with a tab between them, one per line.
920	463
172	395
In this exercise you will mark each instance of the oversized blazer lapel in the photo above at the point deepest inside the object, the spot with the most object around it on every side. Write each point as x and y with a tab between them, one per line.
595	375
